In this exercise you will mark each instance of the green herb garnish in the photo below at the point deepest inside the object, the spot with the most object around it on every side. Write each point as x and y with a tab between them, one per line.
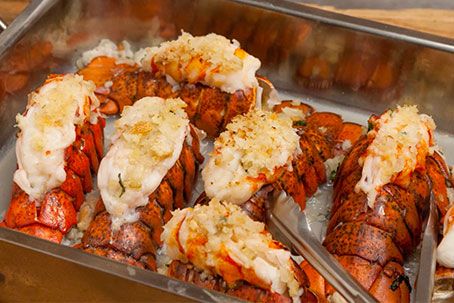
397	281
332	175
300	123
123	189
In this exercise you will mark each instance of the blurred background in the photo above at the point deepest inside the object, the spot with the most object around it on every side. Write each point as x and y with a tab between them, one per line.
431	16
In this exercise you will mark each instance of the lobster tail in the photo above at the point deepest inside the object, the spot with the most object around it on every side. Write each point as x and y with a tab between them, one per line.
133	235
224	250
205	78
49	210
136	243
372	229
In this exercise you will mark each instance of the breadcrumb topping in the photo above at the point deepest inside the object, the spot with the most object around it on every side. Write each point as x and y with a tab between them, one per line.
212	60
148	142
221	239
247	155
402	138
49	126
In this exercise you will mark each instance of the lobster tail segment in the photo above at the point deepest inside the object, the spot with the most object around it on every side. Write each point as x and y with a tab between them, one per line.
148	172
58	148
219	247
381	194
211	74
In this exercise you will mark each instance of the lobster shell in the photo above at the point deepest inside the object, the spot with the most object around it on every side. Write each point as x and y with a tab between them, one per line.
136	243
372	244
243	290
57	212
209	109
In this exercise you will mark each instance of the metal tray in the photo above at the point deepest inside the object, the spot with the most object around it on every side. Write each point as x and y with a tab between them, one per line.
50	34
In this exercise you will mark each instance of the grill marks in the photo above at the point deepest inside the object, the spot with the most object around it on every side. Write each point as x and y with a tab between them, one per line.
136	243
57	212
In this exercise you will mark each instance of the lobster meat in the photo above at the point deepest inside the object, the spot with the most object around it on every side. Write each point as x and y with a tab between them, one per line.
148	172
213	75
219	247
381	194
444	274
285	150
59	146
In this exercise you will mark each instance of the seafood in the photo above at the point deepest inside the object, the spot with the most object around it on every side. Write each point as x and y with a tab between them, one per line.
212	74
59	146
444	274
284	150
148	172
219	247
381	193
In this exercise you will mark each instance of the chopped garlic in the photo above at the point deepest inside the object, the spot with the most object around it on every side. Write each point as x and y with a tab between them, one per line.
47	128
401	141
210	235
248	153
148	141
212	60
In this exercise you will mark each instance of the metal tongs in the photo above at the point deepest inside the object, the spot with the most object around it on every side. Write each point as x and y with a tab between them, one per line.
289	225
426	272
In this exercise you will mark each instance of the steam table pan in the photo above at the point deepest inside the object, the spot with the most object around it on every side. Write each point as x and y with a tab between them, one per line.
50	35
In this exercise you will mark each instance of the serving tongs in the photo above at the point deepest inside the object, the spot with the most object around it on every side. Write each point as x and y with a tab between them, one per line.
289	225
426	272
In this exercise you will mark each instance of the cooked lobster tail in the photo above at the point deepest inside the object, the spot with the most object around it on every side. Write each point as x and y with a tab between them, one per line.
135	241
49	210
308	139
203	78
224	250
323	136
372	237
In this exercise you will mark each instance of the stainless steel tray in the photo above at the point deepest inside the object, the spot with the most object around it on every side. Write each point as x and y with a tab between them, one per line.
50	34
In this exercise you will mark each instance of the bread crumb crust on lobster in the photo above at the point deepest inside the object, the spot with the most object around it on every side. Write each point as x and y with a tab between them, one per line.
149	171
381	196
59	146
212	60
211	74
148	142
401	140
49	126
221	239
248	155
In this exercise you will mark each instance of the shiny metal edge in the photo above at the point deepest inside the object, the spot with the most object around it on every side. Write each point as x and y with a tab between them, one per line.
37	8
426	274
3	25
297	9
24	22
145	277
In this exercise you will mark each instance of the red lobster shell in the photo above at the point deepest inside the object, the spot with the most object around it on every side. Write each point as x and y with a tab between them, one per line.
55	215
137	242
372	243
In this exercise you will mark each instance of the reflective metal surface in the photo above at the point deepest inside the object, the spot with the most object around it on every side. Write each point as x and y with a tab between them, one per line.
2	25
285	218
305	51
425	282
